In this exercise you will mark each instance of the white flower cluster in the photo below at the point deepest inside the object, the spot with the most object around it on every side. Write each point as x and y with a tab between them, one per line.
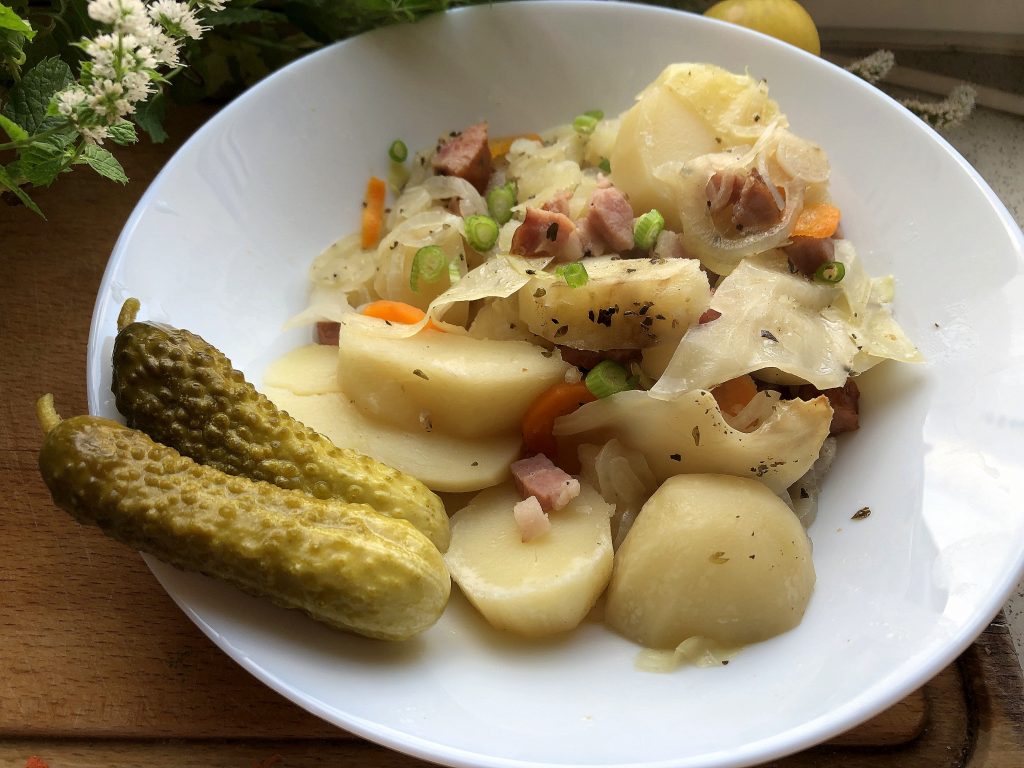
124	62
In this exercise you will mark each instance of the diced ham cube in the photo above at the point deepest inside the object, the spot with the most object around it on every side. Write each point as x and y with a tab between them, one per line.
547	232
756	209
559	203
327	333
538	476
807	254
531	519
610	218
466	155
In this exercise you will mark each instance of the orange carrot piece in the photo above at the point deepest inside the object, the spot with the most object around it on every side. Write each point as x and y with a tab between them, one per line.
819	220
539	419
500	146
733	395
373	212
397	312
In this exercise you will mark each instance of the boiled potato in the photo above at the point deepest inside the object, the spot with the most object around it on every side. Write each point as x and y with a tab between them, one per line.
308	370
625	303
464	387
690	110
536	588
710	556
441	462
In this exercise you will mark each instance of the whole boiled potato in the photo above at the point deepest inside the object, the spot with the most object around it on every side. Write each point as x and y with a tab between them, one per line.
711	556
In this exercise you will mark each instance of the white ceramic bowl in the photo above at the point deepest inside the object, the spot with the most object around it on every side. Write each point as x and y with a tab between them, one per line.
220	244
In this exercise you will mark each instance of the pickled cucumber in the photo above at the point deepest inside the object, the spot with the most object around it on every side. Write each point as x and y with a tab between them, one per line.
341	563
184	393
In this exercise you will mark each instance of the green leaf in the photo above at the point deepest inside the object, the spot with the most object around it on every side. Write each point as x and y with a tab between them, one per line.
149	116
14	131
12	21
123	133
40	162
8	183
104	163
30	96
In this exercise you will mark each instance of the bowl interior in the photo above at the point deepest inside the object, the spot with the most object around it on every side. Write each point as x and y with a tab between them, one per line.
221	242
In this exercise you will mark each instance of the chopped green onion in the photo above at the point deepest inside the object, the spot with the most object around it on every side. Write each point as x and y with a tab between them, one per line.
606	378
481	232
398	151
647	229
597	114
428	264
500	202
605	165
831	272
454	273
575	274
584	124
398	175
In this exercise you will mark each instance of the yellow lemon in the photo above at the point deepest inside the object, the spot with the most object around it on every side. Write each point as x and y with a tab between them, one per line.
782	19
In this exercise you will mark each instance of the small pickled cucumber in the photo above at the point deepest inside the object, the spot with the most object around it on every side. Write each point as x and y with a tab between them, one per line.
341	563
183	392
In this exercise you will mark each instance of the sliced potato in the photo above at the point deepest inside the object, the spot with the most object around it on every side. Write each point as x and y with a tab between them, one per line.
442	462
309	370
711	556
625	303
463	386
541	587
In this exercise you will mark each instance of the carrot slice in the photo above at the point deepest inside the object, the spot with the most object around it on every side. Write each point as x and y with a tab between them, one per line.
397	312
373	212
539	419
819	220
502	144
733	395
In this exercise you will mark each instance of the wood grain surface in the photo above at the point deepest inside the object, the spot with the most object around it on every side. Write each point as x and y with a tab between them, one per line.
98	668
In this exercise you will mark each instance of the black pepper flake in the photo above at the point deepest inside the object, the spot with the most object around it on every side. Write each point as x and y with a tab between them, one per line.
718	558
709	203
696	436
531	272
647	322
604	316
590	315
659	316
554	320
646	306
675	457
804	494
421	374
552	231
475	464
936	325
540	292
861	513
757	118
725	662
739	227
752	557
657	260
718	140
393	246
766	334
562	331
547	352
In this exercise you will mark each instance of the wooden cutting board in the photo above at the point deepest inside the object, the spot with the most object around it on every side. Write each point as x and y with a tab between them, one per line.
99	669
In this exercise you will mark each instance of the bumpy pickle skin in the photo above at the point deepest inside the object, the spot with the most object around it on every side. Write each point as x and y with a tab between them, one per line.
183	392
341	563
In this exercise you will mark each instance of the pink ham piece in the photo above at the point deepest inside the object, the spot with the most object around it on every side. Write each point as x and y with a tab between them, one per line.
755	210
531	519
610	219
547	232
538	476
466	155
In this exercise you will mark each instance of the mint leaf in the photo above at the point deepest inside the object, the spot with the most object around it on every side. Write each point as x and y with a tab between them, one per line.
104	163
8	183
14	131
149	116
12	21
40	162
123	133
30	96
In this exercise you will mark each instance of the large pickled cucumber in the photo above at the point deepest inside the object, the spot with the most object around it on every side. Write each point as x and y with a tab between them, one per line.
183	392
341	563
